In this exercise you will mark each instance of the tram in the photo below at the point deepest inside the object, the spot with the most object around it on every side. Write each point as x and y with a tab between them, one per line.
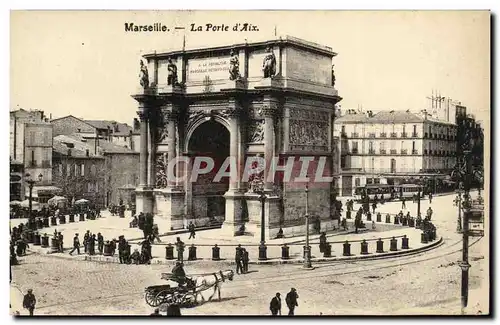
387	192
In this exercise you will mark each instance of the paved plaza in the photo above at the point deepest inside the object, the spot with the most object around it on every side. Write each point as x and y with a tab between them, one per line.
427	281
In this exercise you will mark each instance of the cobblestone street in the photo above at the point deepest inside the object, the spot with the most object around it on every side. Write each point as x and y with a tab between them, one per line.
428	281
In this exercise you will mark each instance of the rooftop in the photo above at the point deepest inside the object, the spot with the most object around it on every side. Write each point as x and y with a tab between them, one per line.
286	39
389	117
81	145
123	128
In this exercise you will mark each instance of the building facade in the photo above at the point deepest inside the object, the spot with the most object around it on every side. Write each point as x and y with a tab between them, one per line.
266	99
77	171
31	145
120	134
393	147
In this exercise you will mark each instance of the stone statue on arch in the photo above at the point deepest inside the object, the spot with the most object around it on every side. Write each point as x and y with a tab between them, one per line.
269	63
234	66
172	73
144	76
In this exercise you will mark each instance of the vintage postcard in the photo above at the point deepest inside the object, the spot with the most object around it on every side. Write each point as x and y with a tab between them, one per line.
167	163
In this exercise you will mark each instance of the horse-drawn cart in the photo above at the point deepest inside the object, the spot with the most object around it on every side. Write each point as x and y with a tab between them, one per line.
157	295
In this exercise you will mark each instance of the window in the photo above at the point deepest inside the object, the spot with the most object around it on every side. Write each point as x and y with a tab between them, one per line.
77	169
413	146
414	129
355	146
430	145
82	170
404	128
382	145
68	170
343	129
33	161
96	187
60	169
430	130
370	146
93	170
357	182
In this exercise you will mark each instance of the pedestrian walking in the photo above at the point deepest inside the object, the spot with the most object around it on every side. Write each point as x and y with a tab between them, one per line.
238	259
180	249
291	301
76	245
430	197
374	206
85	241
403	203
275	305
192	233
100	243
29	301
245	259
60	238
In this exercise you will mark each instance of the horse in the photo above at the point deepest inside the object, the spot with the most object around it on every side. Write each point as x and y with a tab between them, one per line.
213	280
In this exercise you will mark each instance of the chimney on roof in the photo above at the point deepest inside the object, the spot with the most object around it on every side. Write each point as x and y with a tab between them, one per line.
115	127
369	113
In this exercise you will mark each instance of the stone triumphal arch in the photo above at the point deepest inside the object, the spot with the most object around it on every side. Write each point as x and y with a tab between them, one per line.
267	99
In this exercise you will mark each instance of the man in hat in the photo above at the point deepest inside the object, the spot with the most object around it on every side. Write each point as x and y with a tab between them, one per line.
291	301
135	257
180	249
238	258
85	241
179	273
60	241
191	229
100	243
29	301
76	245
275	305
245	259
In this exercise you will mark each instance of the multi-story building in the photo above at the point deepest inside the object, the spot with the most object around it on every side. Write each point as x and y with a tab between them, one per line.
78	171
99	174
120	134
16	180
31	145
393	147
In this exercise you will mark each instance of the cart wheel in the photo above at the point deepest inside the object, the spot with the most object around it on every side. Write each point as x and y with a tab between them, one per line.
164	297
151	299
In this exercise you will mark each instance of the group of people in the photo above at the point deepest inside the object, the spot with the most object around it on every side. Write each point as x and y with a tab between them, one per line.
145	222
291	301
241	259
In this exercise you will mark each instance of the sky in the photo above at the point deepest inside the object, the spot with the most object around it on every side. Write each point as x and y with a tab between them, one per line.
83	63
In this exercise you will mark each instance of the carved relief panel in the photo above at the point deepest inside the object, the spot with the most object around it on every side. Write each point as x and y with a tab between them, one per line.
308	129
161	171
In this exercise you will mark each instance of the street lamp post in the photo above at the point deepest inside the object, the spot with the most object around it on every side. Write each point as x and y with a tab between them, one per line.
458	202
307	249
418	202
262	198
31	182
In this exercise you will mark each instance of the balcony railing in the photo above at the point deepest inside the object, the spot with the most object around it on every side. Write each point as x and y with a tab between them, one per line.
403	135
382	151
414	135
354	150
394	151
383	135
404	151
414	152
371	135
371	151
354	135
394	135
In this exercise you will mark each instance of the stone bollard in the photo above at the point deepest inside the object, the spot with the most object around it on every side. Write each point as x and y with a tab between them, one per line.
405	222
396	220
36	239
379	218
169	252
45	241
82	217
107	249
262	252
216	253
394	244
71	218
192	253
387	219
423	238
380	246
62	220
53	221
364	247
347	249
29	237
328	250
404	242
54	245
285	252
46	223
